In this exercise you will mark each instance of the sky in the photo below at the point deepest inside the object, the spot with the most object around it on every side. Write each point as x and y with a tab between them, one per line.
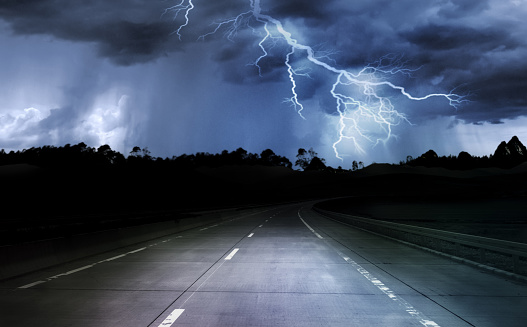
137	73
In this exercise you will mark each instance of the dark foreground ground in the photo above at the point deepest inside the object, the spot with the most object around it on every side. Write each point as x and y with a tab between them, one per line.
43	203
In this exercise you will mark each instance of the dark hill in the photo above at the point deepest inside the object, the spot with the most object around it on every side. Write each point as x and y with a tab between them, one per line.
514	149
507	155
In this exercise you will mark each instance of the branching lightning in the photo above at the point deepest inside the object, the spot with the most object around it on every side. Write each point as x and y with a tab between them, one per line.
358	96
177	9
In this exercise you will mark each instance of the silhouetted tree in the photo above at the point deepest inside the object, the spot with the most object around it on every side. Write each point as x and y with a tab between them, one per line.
304	157
136	151
269	158
316	164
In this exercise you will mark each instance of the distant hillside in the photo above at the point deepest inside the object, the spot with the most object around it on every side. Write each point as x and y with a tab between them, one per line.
507	155
513	150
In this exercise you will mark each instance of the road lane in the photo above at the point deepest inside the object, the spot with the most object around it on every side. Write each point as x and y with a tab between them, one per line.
450	293
287	275
130	290
282	266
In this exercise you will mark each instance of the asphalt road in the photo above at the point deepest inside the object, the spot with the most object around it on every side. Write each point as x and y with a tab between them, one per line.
280	266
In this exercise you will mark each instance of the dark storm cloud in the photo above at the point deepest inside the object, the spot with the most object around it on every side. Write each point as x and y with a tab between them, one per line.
312	10
462	8
127	33
476	59
127	42
457	43
437	38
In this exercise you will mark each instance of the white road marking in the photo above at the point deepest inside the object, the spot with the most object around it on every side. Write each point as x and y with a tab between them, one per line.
380	285
83	268
311	229
77	270
229	257
260	226
171	318
135	251
33	284
251	235
206	279
386	290
203	229
66	273
116	257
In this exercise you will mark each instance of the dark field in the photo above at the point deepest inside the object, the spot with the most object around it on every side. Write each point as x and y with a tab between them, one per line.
500	218
45	203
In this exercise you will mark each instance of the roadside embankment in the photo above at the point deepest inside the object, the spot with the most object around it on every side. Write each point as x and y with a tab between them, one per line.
31	256
498	255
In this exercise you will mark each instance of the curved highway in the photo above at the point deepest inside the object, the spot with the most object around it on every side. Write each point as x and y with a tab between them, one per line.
277	266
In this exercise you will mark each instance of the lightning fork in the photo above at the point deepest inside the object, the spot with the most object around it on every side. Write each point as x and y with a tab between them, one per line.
362	100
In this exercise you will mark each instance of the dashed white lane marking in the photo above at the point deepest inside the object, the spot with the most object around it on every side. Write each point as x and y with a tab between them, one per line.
250	235
260	226
229	257
203	229
386	290
171	318
423	320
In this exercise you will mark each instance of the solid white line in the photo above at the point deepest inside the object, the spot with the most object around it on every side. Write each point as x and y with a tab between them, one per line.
70	272
229	257
311	229
171	318
135	251
81	268
77	270
251	235
116	257
33	284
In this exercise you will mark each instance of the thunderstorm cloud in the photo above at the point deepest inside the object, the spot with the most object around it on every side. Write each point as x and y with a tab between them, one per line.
117	72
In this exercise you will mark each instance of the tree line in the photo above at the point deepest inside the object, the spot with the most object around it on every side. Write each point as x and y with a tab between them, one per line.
81	155
507	155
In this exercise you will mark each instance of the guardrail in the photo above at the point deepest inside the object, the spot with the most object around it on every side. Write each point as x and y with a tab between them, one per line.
499	254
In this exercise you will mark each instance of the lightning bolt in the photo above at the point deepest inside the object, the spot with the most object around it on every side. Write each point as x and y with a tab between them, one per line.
177	9
357	95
